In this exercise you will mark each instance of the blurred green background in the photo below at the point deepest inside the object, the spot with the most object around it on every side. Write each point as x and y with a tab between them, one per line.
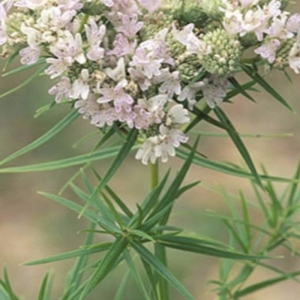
33	227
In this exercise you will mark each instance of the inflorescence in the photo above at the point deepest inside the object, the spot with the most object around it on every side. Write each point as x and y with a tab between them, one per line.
145	64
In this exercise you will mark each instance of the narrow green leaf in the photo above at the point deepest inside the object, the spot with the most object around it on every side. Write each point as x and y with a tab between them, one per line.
240	89
44	138
66	163
44	292
24	68
258	286
293	189
238	143
90	215
265	85
242	276
3	294
75	276
114	196
117	216
25	82
121	289
105	266
141	234
124	151
149	258
208	250
136	275
170	195
71	254
118	201
93	217
8	287
99	204
225	168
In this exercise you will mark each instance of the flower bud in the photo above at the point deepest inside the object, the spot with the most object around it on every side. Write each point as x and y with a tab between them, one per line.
223	59
189	68
283	52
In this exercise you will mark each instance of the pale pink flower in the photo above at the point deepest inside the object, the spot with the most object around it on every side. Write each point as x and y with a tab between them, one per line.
293	23
150	5
150	66
189	93
278	28
116	94
130	25
80	87
122	46
88	108
170	83
107	115
138	75
61	89
31	4
187	37
177	115
268	50
30	55
214	90
69	48
117	74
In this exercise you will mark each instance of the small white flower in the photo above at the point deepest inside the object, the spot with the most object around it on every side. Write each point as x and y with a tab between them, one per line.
117	74
177	115
80	87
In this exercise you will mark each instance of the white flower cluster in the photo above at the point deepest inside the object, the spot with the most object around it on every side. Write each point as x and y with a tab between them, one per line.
131	62
266	23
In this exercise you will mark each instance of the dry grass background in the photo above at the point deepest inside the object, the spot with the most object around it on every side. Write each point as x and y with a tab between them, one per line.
33	227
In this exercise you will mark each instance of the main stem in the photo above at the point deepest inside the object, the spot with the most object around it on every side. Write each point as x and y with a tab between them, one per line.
162	288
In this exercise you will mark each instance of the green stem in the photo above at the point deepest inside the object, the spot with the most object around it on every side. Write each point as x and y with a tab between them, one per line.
83	22
154	171
162	287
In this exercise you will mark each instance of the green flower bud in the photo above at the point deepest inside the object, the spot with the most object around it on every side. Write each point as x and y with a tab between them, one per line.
225	53
189	68
154	23
282	53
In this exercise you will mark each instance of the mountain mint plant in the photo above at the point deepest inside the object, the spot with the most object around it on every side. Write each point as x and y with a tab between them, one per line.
149	71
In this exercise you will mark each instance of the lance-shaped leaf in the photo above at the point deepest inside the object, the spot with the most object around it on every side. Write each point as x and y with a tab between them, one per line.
265	85
158	266
123	153
44	138
238	143
90	215
25	82
176	242
67	162
106	265
258	286
71	254
44	293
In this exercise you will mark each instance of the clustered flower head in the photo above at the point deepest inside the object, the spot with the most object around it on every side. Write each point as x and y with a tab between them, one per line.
145	64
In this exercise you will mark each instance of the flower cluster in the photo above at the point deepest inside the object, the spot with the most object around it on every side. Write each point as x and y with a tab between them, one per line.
144	64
